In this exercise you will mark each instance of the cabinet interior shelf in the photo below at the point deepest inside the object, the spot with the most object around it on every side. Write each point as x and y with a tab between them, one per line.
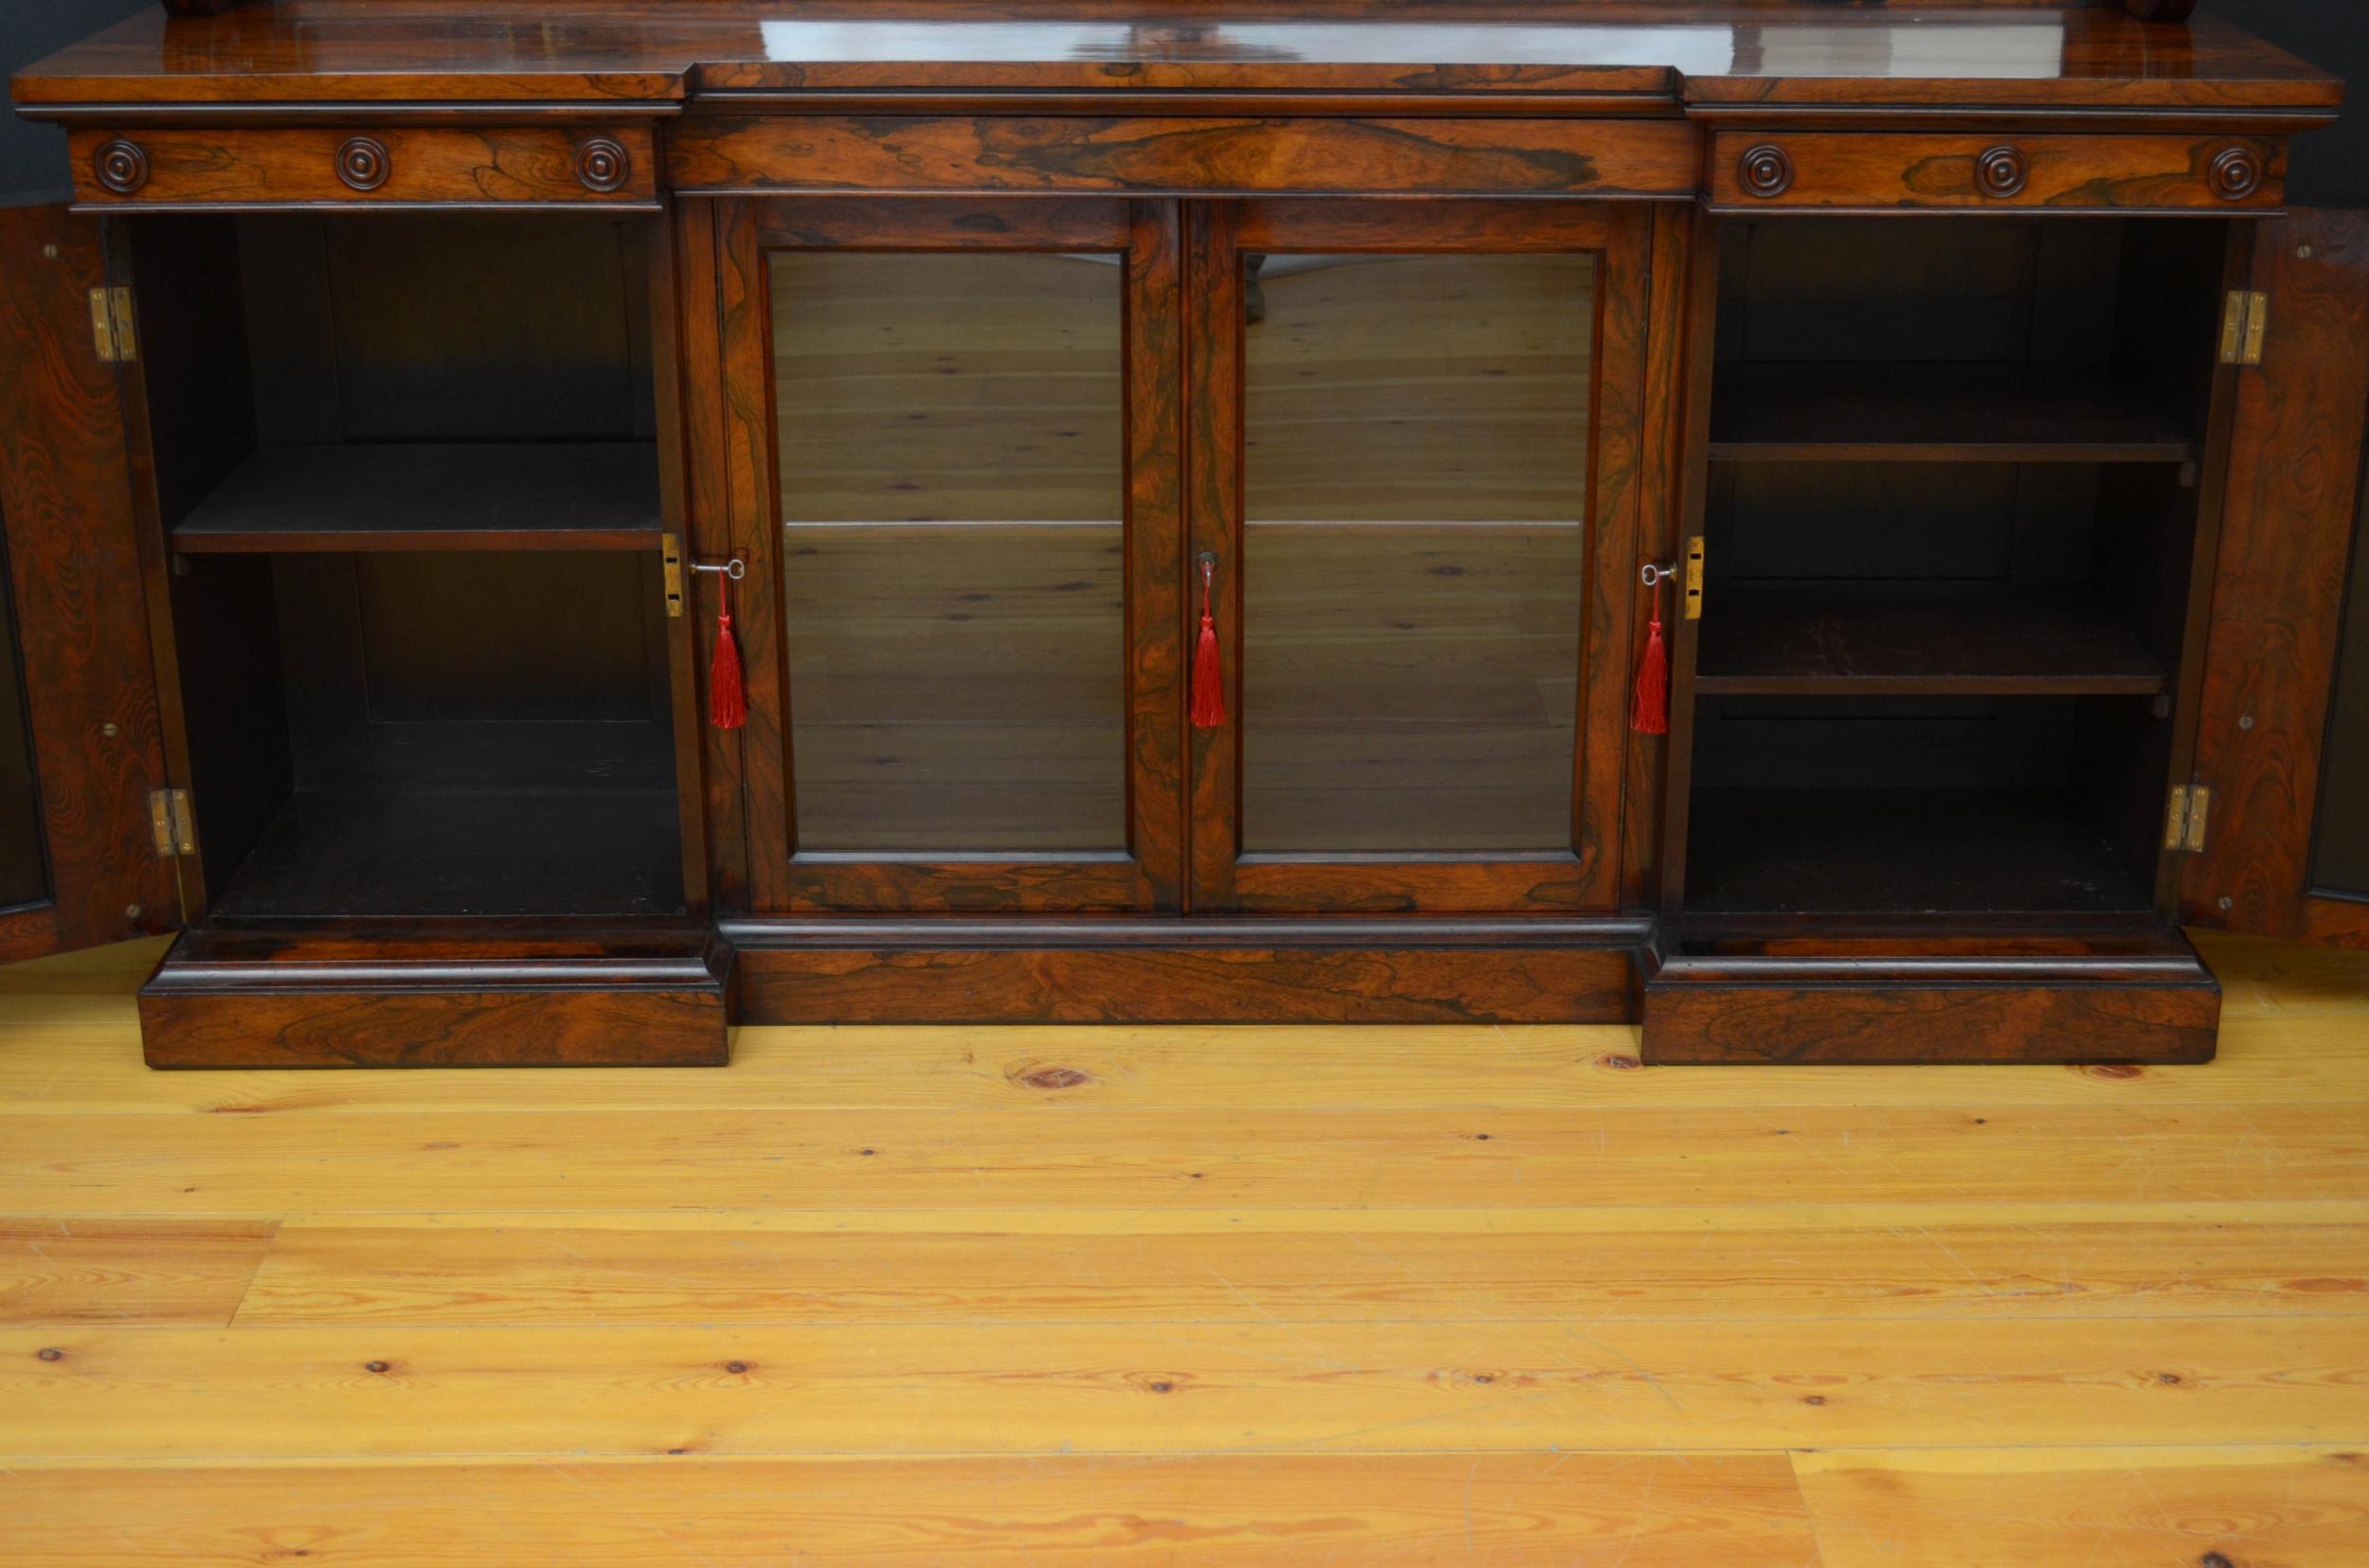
1919	638
422	852
493	496
1939	413
1780	851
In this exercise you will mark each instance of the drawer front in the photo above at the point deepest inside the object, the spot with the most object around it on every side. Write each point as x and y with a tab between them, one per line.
896	156
1846	170
507	166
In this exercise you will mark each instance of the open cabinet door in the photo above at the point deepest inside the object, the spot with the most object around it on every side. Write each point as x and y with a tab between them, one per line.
2282	743
80	739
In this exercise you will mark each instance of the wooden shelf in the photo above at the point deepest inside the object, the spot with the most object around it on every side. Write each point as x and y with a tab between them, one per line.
511	496
1938	413
431	853
1900	851
1919	638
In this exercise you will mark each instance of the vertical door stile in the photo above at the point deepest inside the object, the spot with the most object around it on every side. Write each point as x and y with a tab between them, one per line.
1155	552
1214	445
707	458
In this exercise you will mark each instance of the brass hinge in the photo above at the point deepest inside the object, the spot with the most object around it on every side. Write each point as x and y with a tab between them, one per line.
111	326
670	548
2184	823
169	816
2245	321
1694	578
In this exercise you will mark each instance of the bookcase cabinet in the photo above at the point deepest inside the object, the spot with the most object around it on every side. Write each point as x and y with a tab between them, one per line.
1179	511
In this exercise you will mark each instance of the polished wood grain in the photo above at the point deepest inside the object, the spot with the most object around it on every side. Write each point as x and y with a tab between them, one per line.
224	1001
983	154
1903	1019
2339	921
1662	468
1373	983
1619	52
1866	173
690	235
233	168
80	617
1899	1001
2277	600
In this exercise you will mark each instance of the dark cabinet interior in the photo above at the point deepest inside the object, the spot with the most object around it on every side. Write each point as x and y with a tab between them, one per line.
24	858
2340	863
406	472
1951	524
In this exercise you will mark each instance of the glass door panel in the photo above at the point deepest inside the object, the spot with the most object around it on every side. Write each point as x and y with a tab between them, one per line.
1434	406
1415	496
953	488
974	535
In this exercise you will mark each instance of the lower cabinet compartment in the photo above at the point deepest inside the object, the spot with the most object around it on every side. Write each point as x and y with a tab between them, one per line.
443	735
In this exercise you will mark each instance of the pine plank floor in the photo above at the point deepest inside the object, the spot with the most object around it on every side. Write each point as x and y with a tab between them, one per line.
1188	1296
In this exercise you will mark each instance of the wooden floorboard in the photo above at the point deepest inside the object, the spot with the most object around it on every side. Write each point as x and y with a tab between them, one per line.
180	1272
1771	1262
2281	1507
1127	1159
1266	1511
1183	1296
389	1391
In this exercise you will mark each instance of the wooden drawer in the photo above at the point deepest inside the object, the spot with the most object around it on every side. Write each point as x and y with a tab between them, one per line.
505	166
982	155
1856	172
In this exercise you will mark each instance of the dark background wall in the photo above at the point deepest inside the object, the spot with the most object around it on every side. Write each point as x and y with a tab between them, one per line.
2331	170
33	157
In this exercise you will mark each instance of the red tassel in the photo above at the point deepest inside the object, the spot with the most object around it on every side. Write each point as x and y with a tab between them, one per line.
728	703
1208	707
1649	709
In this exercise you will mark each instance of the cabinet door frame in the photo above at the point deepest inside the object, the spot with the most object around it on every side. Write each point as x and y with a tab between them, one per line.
1586	877
2288	516
1146	875
80	583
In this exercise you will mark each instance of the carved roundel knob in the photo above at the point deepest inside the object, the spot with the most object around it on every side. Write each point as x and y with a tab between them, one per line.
604	165
2001	173
1766	171
122	166
2236	174
363	163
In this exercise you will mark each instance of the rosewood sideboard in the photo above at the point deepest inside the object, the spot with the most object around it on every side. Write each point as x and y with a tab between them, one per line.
539	531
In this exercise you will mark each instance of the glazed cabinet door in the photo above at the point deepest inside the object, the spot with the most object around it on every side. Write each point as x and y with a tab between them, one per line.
1411	482
80	739
955	433
2282	743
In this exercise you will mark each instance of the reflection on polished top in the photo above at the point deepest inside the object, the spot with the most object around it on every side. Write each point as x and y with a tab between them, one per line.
1637	55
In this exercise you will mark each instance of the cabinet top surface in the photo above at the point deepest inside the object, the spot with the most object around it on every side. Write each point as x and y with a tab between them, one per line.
1995	56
